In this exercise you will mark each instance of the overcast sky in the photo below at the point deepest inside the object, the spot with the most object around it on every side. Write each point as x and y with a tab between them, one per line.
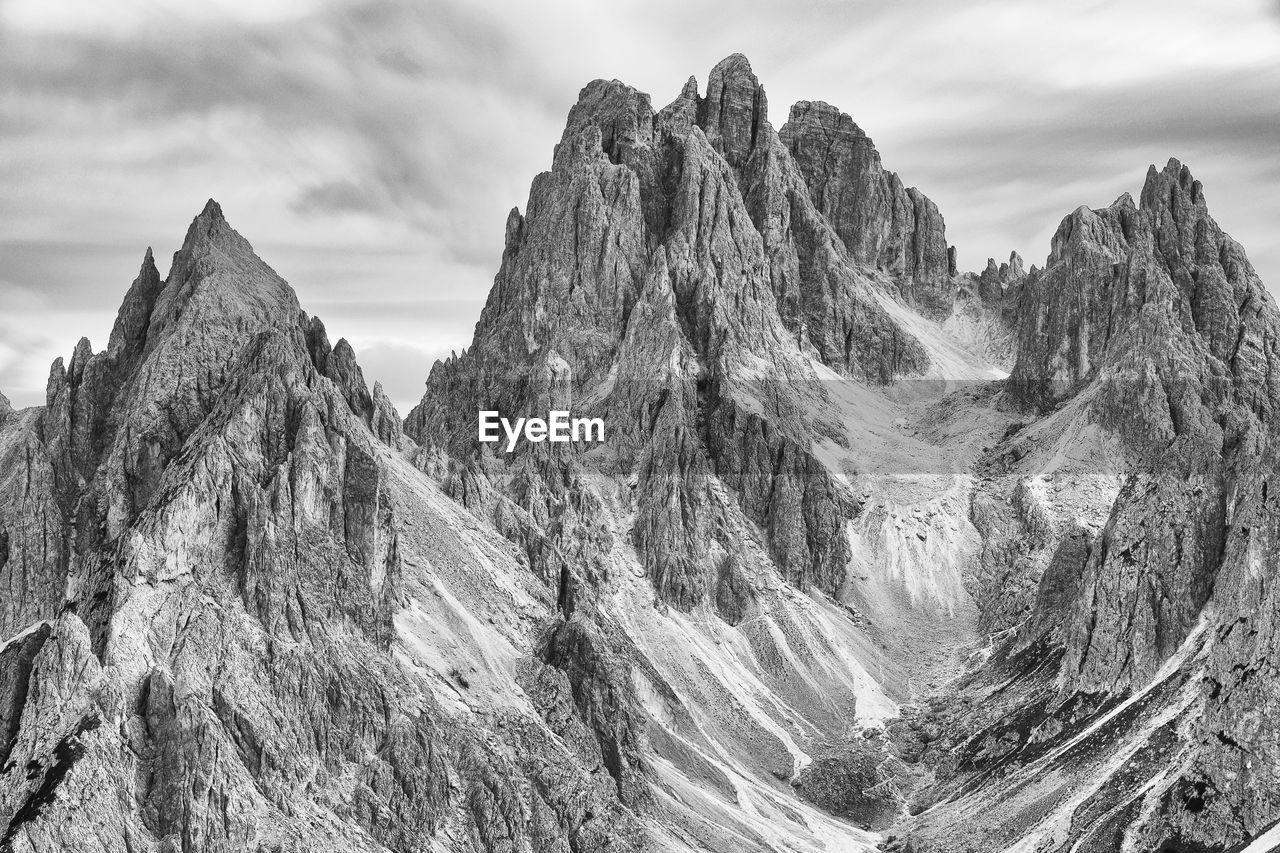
371	150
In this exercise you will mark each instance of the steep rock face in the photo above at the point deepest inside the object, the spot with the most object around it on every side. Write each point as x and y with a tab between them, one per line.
170	352
882	224
1234	773
213	557
1162	261
1065	320
664	212
823	297
735	112
339	364
984	316
997	284
33	548
1147	351
570	273
49	454
1161	312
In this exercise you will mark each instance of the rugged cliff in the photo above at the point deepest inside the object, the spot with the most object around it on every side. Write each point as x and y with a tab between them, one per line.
1095	484
1146	349
215	563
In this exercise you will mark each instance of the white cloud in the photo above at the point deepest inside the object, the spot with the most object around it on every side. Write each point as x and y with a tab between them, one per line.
375	147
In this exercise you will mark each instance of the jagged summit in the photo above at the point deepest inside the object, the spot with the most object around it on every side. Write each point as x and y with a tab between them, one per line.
735	62
826	117
735	112
1119	274
212	211
218	288
1161	183
748	253
208	225
175	347
129	334
688	273
883	223
211	242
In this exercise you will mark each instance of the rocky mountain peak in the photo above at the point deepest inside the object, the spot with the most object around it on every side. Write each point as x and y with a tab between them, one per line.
340	365
1175	201
129	335
699	219
622	115
115	420
998	280
210	228
1114	273
188	501
80	358
827	119
211	239
882	223
217	280
1173	187
735	111
681	115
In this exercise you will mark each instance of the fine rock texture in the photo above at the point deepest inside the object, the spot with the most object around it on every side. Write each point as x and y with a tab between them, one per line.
702	210
875	553
882	224
1148	336
213	559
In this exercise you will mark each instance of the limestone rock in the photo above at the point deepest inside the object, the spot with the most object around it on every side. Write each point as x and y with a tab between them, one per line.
881	223
205	543
735	113
709	232
998	283
1149	329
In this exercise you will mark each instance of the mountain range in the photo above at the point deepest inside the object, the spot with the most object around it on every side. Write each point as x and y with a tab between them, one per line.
877	554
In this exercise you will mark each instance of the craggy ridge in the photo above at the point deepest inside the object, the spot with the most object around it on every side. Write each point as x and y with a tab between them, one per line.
879	554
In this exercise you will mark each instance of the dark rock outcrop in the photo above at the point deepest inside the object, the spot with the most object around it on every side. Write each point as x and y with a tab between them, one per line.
1000	284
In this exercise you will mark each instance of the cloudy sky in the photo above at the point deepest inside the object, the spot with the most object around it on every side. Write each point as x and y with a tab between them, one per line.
371	150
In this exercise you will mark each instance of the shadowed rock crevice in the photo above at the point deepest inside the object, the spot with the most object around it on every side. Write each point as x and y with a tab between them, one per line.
66	753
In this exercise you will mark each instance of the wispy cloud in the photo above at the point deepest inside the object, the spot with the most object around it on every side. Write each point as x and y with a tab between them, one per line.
370	150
